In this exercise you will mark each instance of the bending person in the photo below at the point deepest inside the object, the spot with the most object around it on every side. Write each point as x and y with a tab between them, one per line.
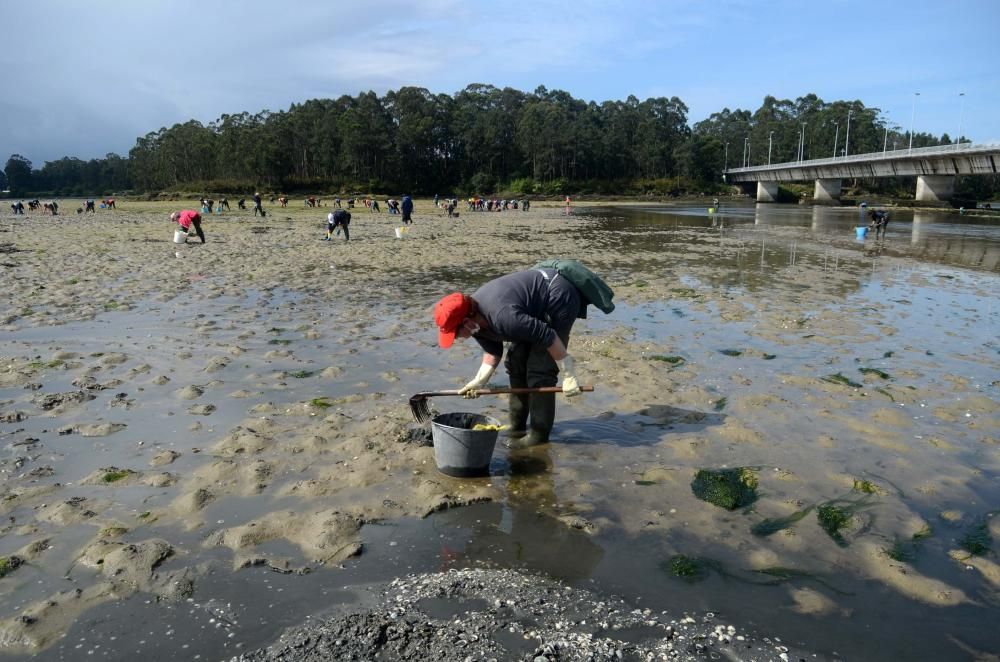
535	311
338	220
187	219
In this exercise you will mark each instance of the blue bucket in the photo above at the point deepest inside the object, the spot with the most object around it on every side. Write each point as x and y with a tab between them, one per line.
862	231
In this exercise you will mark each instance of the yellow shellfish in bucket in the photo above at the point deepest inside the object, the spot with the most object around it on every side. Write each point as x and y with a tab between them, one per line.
401	230
484	426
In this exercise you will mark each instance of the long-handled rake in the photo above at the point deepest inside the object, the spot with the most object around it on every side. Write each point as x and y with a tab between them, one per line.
421	409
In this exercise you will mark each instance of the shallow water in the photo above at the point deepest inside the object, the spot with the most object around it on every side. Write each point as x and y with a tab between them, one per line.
765	304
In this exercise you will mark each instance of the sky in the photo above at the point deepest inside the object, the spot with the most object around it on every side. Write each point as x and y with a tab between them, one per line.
84	79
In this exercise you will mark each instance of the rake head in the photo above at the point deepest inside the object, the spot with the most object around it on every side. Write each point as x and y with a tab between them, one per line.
420	408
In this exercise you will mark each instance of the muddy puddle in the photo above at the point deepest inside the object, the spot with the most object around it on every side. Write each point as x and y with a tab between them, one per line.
201	451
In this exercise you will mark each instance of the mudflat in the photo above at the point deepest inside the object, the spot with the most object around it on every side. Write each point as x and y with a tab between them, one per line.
172	409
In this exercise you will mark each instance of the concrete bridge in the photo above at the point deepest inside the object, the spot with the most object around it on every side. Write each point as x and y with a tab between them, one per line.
934	167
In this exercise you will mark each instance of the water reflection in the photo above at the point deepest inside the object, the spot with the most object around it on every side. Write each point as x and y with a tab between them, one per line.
523	532
938	236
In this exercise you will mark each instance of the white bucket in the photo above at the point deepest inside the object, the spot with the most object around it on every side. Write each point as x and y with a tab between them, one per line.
180	237
399	232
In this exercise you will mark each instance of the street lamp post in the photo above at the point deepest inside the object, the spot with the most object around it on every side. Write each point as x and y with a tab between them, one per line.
913	114
802	143
961	113
847	138
726	166
885	141
746	152
770	136
836	137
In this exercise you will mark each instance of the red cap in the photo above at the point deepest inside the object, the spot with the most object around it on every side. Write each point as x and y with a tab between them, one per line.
449	313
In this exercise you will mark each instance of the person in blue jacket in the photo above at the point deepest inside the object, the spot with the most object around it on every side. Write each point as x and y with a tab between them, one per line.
407	209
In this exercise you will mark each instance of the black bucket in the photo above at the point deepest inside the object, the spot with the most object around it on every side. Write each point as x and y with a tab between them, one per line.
459	450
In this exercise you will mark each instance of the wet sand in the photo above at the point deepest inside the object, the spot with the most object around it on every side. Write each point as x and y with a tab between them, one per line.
245	401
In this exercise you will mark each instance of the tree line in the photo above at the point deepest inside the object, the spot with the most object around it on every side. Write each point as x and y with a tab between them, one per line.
482	140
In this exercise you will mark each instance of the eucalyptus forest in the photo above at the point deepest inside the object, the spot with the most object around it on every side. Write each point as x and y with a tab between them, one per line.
482	140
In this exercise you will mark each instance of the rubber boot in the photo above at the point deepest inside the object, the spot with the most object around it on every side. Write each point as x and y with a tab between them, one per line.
542	417
518	403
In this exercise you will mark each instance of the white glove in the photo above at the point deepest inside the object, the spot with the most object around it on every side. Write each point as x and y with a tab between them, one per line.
567	367
481	379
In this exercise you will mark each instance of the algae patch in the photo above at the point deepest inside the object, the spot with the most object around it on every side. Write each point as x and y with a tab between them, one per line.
114	475
839	378
726	488
977	540
9	564
867	487
672	360
685	567
832	519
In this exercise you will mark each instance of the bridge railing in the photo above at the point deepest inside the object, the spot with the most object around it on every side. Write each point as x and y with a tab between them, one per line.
936	150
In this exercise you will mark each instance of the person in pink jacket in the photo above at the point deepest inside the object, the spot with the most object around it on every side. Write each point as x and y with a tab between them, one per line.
188	218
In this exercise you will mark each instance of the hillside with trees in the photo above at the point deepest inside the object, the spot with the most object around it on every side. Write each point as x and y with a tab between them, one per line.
481	140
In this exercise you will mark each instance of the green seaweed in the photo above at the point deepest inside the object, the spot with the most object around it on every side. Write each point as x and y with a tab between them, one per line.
685	567
867	487
775	524
832	518
113	531
726	488
39	365
841	379
302	374
684	292
731	352
900	551
645	482
977	540
275	329
770	357
720	404
640	283
672	360
888	354
905	551
115	475
884	392
279	341
111	305
876	372
145	515
9	564
322	403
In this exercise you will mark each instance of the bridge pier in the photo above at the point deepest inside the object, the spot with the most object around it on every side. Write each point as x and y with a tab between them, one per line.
935	188
767	191
827	190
